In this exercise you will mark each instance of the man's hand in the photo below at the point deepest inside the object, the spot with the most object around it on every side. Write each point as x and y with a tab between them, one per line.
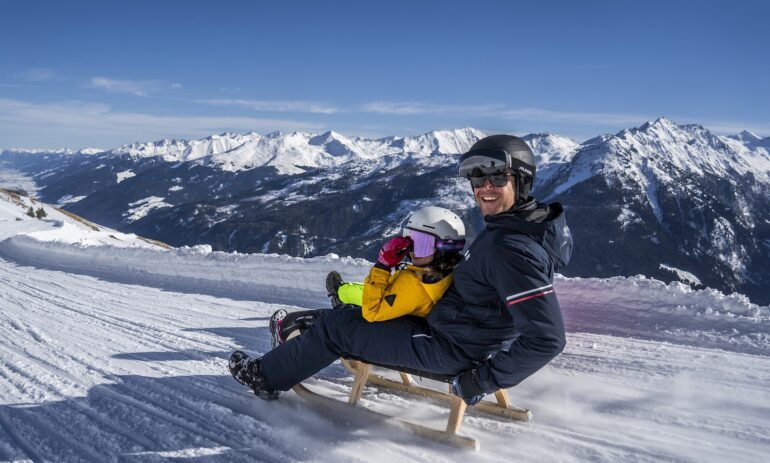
466	385
394	250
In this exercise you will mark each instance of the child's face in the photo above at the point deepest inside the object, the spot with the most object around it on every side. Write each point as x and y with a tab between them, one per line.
421	261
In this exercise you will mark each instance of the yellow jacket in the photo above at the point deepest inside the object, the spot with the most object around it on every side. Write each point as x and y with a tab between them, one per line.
389	296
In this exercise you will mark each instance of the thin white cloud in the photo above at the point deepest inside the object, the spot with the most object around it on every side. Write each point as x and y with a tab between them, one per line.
579	118
503	112
417	108
35	75
77	124
134	87
277	106
734	128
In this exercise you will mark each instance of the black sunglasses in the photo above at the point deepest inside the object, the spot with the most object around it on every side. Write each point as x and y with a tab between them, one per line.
498	180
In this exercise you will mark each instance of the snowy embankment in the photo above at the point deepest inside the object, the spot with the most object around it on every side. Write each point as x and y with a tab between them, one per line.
238	276
113	349
637	306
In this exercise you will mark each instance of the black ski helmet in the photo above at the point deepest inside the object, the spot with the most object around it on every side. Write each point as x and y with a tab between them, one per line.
501	153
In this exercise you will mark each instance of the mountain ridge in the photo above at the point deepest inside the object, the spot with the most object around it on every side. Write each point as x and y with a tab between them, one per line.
645	200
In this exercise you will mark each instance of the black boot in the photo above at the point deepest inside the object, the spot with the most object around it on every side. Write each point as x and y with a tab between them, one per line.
248	371
333	283
276	320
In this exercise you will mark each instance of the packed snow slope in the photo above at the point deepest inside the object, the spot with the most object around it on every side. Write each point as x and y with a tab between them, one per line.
113	349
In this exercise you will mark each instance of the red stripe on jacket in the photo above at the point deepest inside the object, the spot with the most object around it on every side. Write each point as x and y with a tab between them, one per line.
526	298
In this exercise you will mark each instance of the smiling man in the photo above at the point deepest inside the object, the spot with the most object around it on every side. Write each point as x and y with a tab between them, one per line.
498	322
502	307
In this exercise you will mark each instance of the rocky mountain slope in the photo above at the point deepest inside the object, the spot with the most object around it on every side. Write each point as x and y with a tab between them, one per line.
675	202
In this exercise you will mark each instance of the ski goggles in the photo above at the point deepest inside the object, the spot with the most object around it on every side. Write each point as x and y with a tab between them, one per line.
497	180
488	162
425	244
484	162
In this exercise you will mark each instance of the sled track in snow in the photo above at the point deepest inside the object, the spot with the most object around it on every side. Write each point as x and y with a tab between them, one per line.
36	353
94	370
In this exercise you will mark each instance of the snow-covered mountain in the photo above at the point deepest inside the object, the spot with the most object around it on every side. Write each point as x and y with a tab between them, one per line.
298	151
665	199
113	349
676	202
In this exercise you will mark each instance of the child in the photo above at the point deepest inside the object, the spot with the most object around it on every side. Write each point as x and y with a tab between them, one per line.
432	237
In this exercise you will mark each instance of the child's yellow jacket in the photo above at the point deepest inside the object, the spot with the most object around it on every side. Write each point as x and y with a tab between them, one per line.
389	296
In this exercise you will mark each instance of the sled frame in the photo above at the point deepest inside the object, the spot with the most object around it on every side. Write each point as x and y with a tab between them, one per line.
362	372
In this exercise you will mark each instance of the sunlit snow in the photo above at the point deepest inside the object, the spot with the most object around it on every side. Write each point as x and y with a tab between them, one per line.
113	348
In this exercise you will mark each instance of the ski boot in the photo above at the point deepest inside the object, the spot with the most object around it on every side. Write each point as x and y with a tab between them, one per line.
333	283
276	320
248	371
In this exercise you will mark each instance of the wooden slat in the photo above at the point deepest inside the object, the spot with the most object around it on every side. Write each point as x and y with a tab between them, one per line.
456	415
502	398
359	383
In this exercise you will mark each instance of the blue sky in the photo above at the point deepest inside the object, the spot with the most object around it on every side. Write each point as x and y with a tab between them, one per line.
94	73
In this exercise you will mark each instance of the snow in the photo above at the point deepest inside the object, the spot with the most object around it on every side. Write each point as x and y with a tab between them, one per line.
627	217
91	151
124	175
143	207
642	158
68	199
683	275
296	152
115	350
11	179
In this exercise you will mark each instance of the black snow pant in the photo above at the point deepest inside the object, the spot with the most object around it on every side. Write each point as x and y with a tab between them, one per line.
405	342
301	321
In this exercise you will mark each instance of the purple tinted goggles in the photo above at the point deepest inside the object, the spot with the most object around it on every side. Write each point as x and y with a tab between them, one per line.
425	244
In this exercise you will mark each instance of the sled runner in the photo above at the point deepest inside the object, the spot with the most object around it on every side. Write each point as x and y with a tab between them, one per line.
362	373
422	431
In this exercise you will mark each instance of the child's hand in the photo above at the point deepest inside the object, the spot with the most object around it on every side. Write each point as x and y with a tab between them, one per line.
394	250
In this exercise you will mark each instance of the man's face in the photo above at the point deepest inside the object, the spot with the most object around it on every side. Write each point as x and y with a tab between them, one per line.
493	200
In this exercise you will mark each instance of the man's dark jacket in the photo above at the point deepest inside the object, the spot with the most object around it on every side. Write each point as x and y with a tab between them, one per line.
501	307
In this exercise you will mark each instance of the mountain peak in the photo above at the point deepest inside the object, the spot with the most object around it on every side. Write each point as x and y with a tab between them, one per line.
748	136
660	123
89	151
551	148
326	137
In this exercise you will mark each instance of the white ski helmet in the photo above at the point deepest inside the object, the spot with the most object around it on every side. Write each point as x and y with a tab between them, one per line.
442	223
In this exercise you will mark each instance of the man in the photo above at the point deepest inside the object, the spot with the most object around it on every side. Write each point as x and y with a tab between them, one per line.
497	324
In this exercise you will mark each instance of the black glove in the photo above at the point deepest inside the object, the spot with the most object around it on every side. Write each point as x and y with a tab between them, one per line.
466	385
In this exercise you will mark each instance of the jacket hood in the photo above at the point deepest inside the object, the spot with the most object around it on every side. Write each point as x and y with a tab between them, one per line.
545	223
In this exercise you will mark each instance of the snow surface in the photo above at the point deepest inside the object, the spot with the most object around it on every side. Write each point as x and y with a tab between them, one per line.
11	179
124	175
113	349
143	207
683	275
68	199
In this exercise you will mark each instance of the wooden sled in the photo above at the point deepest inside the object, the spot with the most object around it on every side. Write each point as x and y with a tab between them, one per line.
362	371
363	374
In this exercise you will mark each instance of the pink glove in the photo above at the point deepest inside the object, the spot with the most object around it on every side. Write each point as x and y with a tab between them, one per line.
394	250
